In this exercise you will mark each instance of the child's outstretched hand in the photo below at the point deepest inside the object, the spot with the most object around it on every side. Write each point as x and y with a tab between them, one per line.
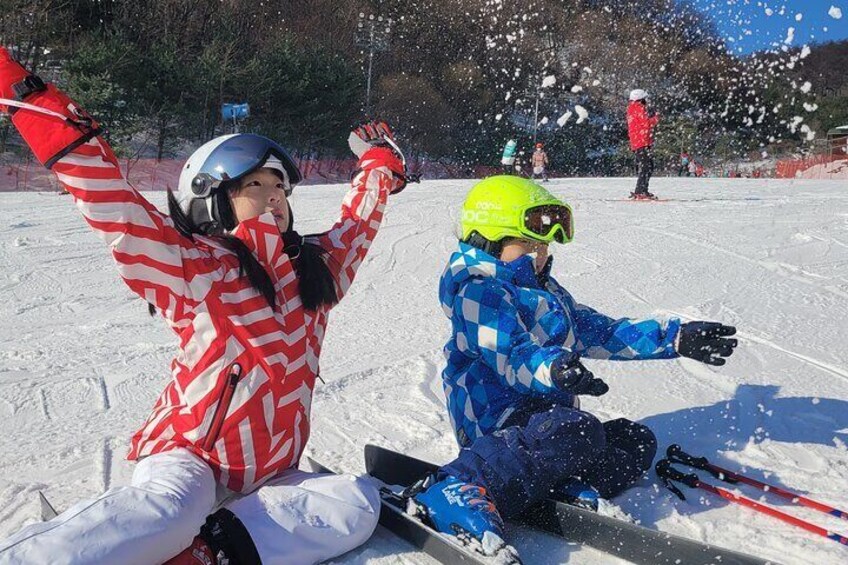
569	374
706	342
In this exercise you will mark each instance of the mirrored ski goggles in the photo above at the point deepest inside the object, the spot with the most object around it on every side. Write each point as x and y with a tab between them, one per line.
240	155
550	222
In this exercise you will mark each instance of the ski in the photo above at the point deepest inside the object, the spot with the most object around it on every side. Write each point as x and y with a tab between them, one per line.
654	200
394	518
645	200
622	539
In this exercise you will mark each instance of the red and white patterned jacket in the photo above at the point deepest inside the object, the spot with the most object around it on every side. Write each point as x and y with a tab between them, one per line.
252	424
241	385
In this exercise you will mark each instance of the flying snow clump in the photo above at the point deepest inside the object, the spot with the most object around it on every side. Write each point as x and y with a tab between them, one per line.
790	36
582	113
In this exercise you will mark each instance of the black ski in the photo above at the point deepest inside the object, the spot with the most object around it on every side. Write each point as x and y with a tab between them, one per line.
394	518
622	539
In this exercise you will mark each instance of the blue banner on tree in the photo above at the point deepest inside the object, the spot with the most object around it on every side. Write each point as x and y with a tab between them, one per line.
235	111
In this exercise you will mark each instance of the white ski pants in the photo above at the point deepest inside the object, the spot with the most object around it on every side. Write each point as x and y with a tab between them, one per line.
299	518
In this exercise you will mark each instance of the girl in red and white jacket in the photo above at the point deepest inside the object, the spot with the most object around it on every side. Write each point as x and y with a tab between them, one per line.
217	477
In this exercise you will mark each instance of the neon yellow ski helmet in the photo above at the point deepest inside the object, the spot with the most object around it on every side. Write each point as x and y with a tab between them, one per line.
508	206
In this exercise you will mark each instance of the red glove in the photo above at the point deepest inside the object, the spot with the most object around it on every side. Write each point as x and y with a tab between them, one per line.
375	141
372	134
50	136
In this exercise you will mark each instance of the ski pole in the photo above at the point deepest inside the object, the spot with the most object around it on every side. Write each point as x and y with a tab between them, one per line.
669	475
676	454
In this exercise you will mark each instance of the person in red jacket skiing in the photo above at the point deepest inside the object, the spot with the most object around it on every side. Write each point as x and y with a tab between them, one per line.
640	127
217	478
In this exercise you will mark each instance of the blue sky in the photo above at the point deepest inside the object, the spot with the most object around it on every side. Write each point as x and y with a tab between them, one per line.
747	25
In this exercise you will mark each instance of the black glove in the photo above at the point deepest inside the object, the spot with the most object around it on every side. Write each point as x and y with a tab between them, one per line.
569	375
706	342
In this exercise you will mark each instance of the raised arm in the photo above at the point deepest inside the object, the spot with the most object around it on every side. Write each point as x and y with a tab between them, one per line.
347	242
153	258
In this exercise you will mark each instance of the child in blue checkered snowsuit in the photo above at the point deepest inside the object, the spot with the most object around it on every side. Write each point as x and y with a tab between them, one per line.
514	373
521	434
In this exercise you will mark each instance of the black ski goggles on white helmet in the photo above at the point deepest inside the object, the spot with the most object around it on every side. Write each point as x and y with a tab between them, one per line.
239	155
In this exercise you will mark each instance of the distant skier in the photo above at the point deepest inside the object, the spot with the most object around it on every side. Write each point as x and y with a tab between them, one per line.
693	168
249	298
514	370
508	156
520	161
640	126
683	170
540	162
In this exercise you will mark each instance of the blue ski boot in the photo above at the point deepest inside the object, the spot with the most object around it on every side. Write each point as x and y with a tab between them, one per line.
461	509
577	493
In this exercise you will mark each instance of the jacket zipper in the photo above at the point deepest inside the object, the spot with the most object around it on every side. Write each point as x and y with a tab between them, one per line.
223	406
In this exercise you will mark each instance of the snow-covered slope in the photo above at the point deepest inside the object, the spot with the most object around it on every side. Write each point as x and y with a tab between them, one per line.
81	361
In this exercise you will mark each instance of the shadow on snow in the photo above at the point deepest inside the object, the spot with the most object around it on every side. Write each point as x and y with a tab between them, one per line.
755	414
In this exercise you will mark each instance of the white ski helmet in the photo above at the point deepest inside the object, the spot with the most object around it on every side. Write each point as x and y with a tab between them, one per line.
225	158
638	94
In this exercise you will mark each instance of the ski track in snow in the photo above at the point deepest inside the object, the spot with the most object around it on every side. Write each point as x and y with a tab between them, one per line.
81	362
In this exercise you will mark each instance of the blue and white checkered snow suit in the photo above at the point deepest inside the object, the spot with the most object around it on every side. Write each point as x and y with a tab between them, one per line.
507	331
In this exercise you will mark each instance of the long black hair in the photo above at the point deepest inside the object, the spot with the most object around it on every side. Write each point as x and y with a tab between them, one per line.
317	286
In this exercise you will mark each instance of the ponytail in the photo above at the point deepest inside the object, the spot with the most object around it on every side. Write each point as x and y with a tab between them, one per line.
317	285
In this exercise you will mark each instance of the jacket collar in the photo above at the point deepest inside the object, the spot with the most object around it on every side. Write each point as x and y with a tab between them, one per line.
262	236
520	272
